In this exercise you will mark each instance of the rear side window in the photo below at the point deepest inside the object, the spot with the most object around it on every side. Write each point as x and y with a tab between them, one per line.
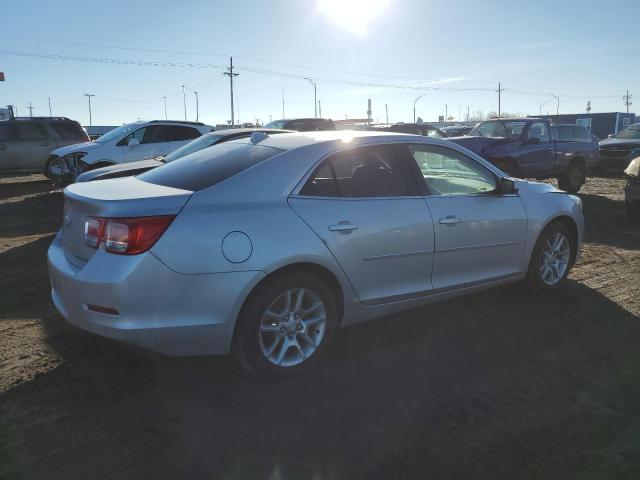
69	131
154	134
376	171
207	167
178	133
30	131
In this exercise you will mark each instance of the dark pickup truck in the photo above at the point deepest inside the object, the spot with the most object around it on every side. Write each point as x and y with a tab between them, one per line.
532	147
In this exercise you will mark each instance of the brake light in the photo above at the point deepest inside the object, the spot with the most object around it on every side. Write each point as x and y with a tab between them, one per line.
126	236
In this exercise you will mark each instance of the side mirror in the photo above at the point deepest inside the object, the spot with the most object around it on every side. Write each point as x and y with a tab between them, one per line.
505	187
133	142
533	140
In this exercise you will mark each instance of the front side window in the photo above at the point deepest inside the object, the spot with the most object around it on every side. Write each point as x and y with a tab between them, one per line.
540	131
375	171
449	172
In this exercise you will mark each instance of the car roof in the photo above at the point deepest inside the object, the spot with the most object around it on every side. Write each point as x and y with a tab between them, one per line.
236	131
291	141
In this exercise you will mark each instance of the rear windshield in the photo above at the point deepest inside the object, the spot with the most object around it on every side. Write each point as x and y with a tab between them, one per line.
207	167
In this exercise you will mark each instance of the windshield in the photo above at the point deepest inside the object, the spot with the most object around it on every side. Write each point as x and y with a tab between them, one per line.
499	128
276	124
118	133
198	144
632	132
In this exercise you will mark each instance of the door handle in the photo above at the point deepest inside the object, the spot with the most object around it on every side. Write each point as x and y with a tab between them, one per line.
343	228
450	220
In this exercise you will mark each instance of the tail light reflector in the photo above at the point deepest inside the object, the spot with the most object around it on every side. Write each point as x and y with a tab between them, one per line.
125	236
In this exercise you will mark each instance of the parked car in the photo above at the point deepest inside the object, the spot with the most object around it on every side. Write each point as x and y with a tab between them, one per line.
423	129
617	151
257	246
456	130
26	143
302	124
143	140
532	147
632	189
205	141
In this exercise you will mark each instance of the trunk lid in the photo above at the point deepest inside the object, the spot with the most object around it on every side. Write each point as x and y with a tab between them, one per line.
118	197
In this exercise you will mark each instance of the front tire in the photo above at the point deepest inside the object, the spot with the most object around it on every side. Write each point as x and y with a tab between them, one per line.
573	179
552	257
286	326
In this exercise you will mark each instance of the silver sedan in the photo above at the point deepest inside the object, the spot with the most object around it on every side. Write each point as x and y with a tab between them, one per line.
264	246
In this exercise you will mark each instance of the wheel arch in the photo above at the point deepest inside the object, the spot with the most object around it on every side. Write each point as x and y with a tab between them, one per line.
322	272
568	222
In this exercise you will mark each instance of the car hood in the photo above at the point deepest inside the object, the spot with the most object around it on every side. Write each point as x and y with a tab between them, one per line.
619	142
120	170
477	144
76	147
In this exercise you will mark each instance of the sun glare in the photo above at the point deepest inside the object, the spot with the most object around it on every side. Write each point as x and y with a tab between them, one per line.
353	15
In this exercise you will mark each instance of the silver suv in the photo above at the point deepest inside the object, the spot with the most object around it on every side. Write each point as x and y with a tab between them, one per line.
26	143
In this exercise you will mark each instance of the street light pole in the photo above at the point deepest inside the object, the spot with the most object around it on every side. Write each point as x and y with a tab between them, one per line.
49	100
446	113
315	101
89	95
165	108
557	102
184	103
197	107
414	107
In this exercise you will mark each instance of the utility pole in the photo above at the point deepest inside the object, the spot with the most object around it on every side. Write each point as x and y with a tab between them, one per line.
500	90
89	95
283	103
184	103
315	101
230	74
49	100
467	113
414	107
386	113
30	107
446	113
165	108
197	107
319	109
557	102
627	100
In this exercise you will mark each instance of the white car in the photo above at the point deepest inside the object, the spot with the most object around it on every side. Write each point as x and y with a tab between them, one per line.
129	143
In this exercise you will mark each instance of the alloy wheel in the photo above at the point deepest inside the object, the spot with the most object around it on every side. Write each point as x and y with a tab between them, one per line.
554	259
292	327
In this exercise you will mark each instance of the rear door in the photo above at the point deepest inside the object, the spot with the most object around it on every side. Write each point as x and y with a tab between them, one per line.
32	146
479	235
537	157
179	135
7	144
364	205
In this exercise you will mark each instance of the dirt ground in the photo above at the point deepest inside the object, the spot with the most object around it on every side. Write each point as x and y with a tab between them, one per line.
504	384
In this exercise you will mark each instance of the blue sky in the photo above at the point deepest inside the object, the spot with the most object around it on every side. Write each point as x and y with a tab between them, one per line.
391	51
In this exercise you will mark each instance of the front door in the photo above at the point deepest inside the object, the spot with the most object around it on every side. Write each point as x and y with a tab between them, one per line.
152	143
365	206
479	235
538	153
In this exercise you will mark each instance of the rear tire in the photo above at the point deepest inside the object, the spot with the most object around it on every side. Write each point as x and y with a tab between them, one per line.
286	326
552	257
573	178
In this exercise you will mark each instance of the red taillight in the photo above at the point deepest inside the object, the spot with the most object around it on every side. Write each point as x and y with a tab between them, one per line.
126	236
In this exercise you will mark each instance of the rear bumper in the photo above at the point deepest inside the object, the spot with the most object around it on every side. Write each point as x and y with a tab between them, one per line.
158	309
